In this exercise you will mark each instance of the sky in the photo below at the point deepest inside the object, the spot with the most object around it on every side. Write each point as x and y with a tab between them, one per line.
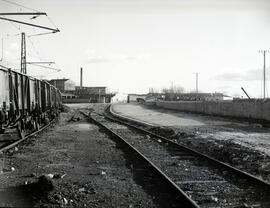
131	46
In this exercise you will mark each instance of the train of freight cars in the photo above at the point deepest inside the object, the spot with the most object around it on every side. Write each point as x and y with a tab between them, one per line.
26	102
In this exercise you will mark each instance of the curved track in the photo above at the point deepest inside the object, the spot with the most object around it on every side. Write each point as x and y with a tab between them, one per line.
164	185
112	116
209	182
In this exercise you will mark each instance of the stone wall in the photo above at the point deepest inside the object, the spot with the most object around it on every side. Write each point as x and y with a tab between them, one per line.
255	109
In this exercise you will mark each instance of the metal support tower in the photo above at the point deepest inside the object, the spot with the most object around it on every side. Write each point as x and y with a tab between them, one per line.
23	45
23	54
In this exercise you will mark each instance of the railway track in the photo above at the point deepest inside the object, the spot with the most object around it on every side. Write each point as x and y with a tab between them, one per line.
205	181
8	144
140	127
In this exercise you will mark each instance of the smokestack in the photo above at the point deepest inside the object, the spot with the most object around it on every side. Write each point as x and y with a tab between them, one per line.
81	83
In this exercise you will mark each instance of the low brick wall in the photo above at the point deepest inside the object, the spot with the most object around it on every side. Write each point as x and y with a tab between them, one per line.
259	109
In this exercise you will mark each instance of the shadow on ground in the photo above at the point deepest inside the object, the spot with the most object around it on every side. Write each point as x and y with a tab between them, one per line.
26	195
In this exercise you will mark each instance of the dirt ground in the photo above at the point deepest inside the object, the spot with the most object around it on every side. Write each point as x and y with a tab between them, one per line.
244	145
72	163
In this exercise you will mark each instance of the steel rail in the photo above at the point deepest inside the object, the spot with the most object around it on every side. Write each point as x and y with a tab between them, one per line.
236	171
186	199
3	149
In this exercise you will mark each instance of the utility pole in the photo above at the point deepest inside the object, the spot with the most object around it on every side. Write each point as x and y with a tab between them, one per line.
264	71
23	54
197	82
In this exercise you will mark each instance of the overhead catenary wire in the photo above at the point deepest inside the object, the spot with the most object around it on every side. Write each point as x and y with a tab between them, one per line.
20	5
40	34
35	14
36	42
52	21
34	48
47	67
14	25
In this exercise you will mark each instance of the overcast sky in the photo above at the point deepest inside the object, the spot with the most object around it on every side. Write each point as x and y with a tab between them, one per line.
131	46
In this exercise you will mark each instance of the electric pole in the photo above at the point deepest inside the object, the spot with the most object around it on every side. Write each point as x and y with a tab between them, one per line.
23	54
197	82
264	71
23	45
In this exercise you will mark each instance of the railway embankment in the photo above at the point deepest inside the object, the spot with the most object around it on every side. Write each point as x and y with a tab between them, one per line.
258	110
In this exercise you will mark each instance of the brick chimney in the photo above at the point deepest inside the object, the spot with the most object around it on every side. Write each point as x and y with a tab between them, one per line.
81	81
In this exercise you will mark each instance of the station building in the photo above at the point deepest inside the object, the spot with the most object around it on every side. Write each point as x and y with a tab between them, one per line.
63	84
78	94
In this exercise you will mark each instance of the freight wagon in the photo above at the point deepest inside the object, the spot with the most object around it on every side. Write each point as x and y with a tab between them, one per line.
26	103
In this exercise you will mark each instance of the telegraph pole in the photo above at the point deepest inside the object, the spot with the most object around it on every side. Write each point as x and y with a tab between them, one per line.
197	82
264	71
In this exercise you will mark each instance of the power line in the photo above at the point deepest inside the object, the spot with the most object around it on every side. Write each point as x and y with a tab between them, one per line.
41	62
51	21
20	5
18	28
39	34
34	48
46	67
